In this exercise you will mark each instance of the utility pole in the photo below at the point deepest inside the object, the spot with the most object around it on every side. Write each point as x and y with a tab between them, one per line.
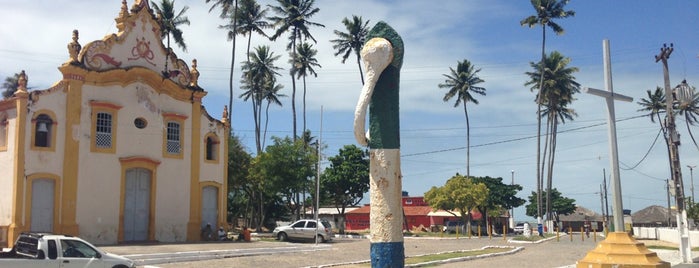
675	167
669	209
606	200
691	176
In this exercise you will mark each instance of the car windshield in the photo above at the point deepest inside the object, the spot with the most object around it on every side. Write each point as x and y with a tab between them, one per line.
326	224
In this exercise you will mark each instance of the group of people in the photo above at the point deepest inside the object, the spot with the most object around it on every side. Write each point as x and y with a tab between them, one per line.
207	234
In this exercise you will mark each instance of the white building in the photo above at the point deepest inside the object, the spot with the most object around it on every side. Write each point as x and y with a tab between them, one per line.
121	149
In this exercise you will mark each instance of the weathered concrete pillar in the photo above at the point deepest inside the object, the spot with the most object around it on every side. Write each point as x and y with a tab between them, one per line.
383	56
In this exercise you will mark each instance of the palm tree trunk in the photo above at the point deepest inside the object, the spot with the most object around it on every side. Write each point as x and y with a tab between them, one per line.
538	132
549	179
359	63
468	143
230	77
264	137
543	165
304	105
293	86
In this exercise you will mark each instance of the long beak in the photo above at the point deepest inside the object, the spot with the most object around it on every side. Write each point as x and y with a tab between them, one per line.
377	53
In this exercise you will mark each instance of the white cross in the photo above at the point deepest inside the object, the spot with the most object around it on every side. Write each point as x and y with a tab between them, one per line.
610	96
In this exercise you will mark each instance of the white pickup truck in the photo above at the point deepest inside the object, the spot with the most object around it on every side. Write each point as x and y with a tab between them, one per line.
61	251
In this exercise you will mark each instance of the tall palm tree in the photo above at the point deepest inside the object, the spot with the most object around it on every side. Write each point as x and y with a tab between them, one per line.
352	40
271	95
231	15
293	16
10	85
170	23
251	19
557	93
302	66
461	84
654	105
258	73
546	12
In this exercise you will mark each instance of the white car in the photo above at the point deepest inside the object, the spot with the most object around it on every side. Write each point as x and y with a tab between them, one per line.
305	230
519	228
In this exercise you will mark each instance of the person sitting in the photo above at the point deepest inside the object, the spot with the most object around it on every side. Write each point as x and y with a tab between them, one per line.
207	234
222	236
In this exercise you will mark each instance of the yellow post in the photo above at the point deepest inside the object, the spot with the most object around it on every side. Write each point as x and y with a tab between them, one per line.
479	231
457	231
558	235
570	231
594	235
504	233
490	232
441	232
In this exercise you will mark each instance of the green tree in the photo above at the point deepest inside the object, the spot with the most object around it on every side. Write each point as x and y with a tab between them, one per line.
462	84
10	85
170	23
556	95
259	74
352	40
500	196
302	64
239	183
293	16
346	180
286	166
458	194
546	12
560	205
231	15
250	19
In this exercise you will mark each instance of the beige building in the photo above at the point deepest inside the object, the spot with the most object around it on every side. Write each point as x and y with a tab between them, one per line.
121	149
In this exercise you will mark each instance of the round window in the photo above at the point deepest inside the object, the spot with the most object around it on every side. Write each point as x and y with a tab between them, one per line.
140	123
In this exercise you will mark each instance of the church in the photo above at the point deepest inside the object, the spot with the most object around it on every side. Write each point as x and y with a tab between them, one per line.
119	150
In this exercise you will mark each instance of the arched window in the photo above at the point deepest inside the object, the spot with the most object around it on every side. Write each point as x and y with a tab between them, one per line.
212	147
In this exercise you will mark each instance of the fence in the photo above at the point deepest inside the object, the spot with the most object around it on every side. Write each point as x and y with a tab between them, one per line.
664	234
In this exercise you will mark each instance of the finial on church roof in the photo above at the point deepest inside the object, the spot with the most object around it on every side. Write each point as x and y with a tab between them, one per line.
74	48
195	74
122	16
138	5
22	82
224	117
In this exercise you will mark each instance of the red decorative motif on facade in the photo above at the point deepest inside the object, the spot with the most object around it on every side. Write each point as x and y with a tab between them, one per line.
106	58
142	51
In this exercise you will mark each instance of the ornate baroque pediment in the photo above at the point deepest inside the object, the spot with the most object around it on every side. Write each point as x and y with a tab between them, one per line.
137	44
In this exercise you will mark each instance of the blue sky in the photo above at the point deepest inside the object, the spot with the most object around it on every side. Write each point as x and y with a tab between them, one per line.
436	35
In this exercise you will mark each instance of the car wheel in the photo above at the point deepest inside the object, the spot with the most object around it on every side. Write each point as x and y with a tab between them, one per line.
320	239
282	237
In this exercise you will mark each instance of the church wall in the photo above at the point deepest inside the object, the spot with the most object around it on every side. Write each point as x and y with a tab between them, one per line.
50	160
7	160
100	220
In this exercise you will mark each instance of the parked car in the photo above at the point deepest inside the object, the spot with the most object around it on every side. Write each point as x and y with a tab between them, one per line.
304	230
50	250
519	228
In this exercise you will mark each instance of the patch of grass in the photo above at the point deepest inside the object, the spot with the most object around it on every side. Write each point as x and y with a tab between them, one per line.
451	255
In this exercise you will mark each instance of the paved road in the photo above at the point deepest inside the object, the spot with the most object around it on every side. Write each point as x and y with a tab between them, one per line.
551	253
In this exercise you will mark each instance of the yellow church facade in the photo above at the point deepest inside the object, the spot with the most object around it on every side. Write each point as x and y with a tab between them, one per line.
121	149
